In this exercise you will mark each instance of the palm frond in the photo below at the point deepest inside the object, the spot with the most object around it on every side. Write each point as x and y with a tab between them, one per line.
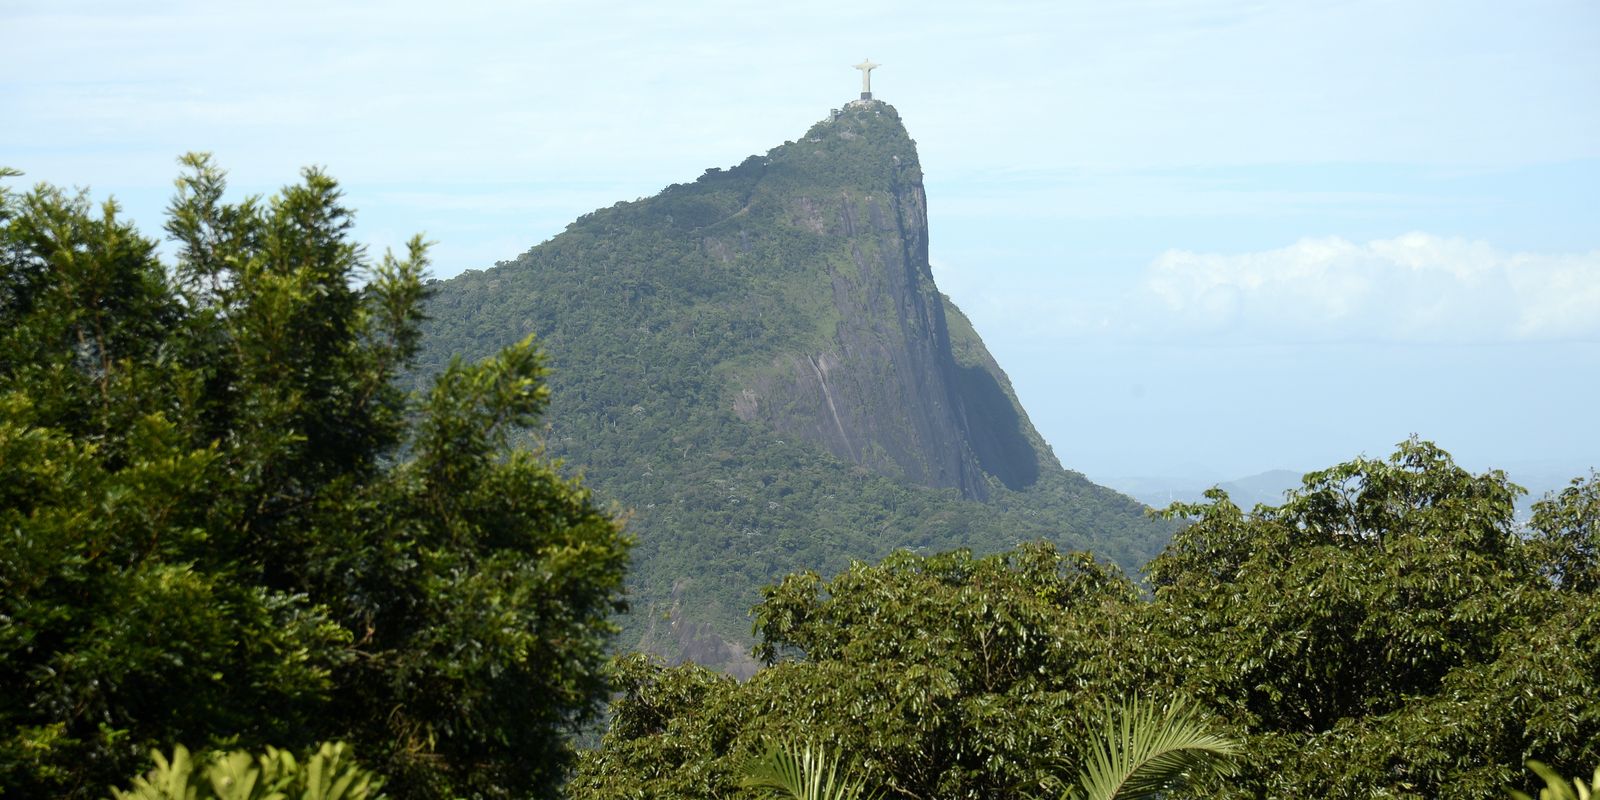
1557	788
1146	750
804	774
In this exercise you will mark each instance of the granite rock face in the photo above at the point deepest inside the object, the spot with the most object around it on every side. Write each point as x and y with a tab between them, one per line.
885	391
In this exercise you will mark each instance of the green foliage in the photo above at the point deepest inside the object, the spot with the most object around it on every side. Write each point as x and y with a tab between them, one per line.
222	521
1146	752
1567	530
945	676
329	774
1386	557
804	774
1557	787
1389	631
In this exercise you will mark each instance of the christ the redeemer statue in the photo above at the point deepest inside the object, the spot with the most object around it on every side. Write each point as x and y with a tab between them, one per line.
866	66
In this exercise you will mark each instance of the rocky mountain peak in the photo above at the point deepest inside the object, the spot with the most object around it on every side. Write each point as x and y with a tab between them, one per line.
884	390
757	368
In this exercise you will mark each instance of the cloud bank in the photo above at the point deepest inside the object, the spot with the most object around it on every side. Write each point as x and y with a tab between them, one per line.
1413	288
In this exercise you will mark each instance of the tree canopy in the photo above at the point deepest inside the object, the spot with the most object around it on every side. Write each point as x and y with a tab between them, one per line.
1388	631
943	676
224	525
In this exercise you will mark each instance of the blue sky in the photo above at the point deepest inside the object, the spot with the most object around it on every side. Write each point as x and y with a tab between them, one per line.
1204	238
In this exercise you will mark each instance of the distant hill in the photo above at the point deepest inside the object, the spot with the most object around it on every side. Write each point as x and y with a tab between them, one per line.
1539	478
758	368
1159	492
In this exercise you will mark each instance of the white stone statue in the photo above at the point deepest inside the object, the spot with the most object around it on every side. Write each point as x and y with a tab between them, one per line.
866	66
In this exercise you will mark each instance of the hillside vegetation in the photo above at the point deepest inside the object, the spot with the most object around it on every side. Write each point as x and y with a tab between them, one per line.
757	368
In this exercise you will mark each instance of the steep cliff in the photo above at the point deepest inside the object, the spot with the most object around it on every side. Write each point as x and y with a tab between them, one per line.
884	390
758	368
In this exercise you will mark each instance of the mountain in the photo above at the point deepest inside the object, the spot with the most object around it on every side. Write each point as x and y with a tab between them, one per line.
759	371
1264	487
1539	479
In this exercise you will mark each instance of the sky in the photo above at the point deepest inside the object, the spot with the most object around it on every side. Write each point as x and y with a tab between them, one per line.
1204	239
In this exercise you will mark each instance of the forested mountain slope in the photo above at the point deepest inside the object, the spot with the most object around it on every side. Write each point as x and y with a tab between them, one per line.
758	369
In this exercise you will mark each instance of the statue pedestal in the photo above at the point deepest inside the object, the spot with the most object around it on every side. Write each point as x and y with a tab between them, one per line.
866	95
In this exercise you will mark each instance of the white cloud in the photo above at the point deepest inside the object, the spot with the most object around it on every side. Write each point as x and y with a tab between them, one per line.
1412	288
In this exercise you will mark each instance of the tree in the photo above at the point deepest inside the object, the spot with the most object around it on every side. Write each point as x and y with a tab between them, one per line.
1390	630
224	523
943	676
1387	631
1567	535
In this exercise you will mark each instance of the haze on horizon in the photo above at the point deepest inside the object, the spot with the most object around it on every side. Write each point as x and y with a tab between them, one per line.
1204	239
